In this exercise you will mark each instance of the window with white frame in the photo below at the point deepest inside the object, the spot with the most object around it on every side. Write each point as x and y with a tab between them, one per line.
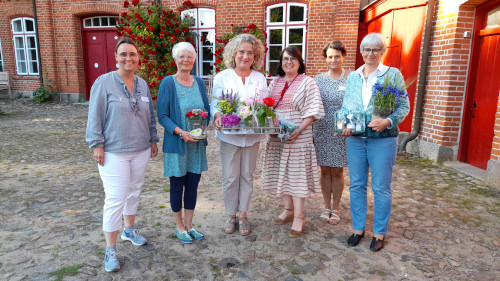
99	22
25	46
203	24
1	57
286	25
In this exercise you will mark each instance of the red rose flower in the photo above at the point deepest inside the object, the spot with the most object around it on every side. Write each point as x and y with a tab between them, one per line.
189	114
164	44
135	2
173	39
126	4
268	101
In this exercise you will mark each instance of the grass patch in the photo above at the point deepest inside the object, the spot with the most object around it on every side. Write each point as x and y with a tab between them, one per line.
161	206
66	271
166	189
158	224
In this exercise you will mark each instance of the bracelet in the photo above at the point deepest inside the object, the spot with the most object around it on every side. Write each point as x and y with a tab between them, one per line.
180	134
300	130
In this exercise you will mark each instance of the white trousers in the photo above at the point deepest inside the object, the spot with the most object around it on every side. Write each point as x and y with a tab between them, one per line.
122	177
238	165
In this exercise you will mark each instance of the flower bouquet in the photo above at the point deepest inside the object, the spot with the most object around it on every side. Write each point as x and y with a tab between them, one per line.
197	123
386	96
345	119
252	115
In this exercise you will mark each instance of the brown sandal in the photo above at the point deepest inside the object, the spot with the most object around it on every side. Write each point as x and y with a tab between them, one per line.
280	221
230	225
295	233
244	226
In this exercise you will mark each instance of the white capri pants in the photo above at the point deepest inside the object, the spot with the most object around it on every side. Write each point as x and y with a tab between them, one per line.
122	177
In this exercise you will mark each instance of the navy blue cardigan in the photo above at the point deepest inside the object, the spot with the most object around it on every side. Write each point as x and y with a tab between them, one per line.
169	112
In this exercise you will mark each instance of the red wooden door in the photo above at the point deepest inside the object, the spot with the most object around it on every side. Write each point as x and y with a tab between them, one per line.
483	91
99	54
403	30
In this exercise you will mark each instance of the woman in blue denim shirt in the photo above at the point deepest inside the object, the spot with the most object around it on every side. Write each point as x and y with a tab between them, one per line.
121	128
376	148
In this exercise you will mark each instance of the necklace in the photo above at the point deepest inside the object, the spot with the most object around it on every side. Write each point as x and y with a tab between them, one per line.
284	90
131	98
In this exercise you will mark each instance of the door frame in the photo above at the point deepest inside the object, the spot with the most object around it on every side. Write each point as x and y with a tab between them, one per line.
86	66
479	23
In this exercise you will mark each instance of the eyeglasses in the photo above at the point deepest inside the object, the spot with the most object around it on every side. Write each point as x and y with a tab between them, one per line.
124	56
185	57
373	51
291	59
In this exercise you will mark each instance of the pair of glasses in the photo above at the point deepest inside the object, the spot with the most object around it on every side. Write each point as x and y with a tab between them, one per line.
185	57
291	59
124	56
373	51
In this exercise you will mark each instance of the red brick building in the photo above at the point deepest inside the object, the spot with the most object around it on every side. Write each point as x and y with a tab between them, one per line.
455	104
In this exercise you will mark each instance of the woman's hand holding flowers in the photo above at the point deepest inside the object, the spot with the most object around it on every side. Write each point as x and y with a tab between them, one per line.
380	124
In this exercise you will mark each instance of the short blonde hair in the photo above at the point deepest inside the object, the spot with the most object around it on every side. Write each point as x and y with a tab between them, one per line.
233	45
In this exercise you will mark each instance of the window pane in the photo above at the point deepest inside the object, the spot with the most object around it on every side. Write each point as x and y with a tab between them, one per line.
272	67
112	22
207	54
207	68
193	70
30	25
87	23
105	22
296	13
276	36
274	52
32	55
192	16
208	38
296	35
19	43
493	18
277	14
21	67
33	67
1	66
17	25
207	18
31	42
95	22
20	55
300	48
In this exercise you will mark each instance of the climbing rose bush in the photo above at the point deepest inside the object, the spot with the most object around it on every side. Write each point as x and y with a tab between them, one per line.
155	29
222	41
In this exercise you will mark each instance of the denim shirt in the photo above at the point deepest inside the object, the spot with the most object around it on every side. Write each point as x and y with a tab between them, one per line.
353	100
112	122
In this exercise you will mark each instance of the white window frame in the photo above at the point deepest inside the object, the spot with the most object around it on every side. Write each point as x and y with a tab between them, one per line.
100	25
285	26
1	57
24	35
196	28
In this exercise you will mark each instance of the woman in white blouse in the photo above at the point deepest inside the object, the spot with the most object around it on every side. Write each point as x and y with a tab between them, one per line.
243	57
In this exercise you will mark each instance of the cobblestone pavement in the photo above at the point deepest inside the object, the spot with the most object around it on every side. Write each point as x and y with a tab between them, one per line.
444	224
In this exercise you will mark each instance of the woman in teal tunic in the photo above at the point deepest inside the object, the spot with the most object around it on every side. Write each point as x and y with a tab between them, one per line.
184	156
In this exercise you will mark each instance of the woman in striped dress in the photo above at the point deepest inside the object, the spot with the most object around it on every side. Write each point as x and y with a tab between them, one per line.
290	167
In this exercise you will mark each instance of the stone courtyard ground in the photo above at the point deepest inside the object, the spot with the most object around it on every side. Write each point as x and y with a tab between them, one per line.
444	224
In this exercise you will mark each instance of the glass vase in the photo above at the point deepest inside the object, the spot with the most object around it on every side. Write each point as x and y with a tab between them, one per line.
380	112
198	128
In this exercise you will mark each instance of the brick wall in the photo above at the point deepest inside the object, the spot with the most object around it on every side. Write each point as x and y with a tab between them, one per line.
8	11
447	77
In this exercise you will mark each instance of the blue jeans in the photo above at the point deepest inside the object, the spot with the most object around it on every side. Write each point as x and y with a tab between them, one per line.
378	154
188	185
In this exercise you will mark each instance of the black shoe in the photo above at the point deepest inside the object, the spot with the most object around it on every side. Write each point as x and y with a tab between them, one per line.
376	245
354	239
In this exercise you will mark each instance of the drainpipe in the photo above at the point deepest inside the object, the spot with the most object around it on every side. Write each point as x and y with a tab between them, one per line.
423	76
38	43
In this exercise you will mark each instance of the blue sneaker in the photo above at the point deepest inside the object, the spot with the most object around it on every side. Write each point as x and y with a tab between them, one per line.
111	262
134	237
184	236
195	234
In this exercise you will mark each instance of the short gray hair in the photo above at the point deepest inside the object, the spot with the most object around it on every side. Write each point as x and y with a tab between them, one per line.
232	47
183	46
373	40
